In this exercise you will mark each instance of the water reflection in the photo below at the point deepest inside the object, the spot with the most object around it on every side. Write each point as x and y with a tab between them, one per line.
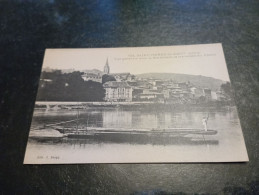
135	119
220	120
117	118
141	147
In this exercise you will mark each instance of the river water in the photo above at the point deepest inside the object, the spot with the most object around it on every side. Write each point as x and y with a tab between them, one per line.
226	145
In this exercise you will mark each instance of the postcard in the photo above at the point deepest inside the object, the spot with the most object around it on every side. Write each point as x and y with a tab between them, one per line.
135	105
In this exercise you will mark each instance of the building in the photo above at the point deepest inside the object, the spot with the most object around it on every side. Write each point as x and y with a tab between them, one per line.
106	68
157	82
123	76
118	76
136	91
166	93
151	96
197	92
117	91
92	77
96	76
183	85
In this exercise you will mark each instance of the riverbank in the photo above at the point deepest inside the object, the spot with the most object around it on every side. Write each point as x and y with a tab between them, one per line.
146	106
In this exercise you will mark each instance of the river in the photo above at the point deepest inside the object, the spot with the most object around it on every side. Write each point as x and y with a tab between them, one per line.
226	145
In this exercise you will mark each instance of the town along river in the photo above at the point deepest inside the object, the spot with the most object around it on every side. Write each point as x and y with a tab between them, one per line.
224	146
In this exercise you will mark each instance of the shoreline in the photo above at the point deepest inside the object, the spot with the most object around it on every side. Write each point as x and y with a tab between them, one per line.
138	106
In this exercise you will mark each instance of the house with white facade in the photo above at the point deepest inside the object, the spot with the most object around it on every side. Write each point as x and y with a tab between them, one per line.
117	91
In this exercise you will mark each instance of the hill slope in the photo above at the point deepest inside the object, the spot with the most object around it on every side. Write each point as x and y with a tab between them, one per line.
196	80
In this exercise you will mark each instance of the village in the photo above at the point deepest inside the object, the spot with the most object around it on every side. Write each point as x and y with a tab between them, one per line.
126	87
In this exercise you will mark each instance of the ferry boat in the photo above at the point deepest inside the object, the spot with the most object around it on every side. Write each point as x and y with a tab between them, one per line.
95	131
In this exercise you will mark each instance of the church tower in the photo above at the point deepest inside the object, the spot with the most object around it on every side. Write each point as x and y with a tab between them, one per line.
106	69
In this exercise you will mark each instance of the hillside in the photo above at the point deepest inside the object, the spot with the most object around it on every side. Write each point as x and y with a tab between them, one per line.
70	70
196	80
95	71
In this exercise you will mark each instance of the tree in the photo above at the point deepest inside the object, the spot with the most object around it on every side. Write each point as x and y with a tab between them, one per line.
227	89
69	87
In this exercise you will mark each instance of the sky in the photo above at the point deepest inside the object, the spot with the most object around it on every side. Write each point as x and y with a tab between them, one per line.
206	60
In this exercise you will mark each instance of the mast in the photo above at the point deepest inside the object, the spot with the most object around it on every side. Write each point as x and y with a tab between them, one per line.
77	121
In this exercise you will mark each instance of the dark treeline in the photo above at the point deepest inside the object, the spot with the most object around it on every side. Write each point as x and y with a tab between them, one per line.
55	86
228	90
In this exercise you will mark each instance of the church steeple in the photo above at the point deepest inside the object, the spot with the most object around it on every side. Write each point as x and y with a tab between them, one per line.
106	69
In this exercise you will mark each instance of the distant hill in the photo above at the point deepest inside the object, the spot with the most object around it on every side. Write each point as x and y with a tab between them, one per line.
196	80
70	70
95	71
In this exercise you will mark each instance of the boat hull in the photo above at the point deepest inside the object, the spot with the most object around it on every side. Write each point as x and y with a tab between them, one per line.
153	139
169	131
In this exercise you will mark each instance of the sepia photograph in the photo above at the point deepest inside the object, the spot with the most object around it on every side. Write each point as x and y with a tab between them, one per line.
135	105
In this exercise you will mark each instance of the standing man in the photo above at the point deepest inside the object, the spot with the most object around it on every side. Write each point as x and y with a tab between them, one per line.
204	122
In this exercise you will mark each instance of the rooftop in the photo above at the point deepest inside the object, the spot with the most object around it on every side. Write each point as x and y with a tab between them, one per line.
116	84
91	75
